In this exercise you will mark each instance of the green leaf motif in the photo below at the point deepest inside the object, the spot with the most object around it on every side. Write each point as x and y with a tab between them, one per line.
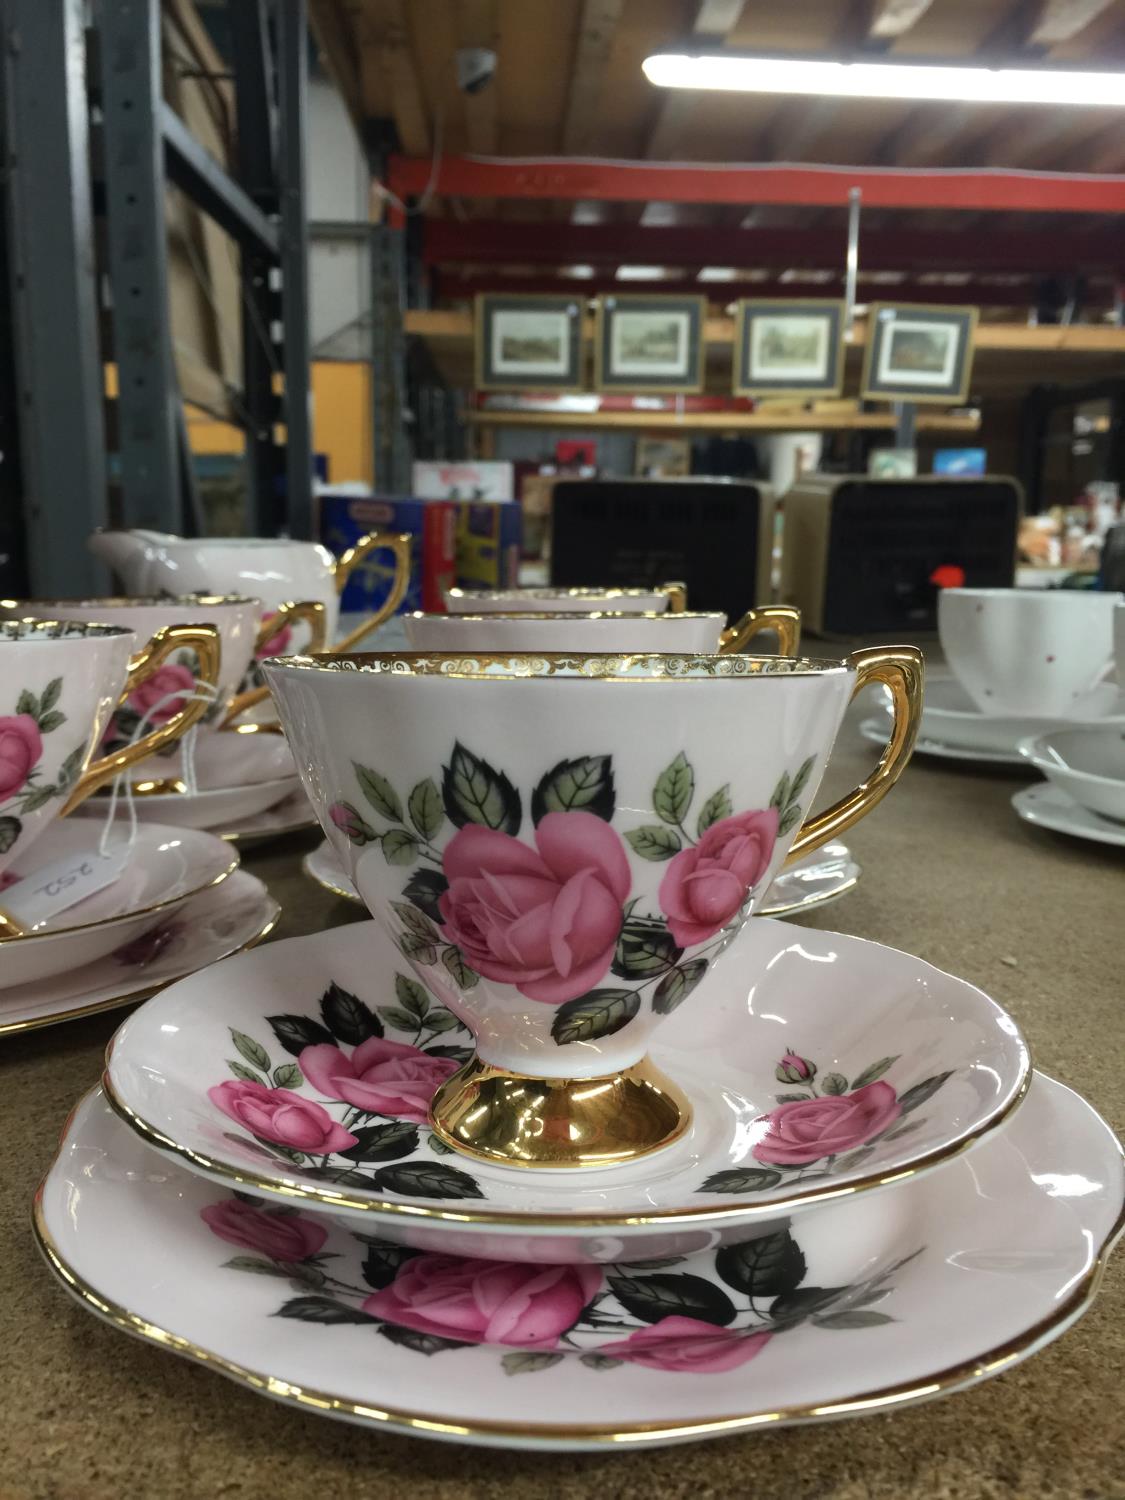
38	797
347	1017
383	1142
426	811
595	1360
258	1267
834	1083
527	1361
793	1098
397	1018
907	1129
9	833
379	792
51	695
383	1261
420	1343
780	798
800	781
439	1020
717	807
71	768
741	1180
457	1053
427	1179
424	890
653	842
287	1076
855	1319
415	921
876	1070
598	1014
240	1070
644	950
654	1297
314	1309
792	1308
251	1050
766	1267
677	985
412	996
473	792
399	847
463	977
674	789
582	785
922	1092
295	1033
52	720
789	820
438	1146
28	703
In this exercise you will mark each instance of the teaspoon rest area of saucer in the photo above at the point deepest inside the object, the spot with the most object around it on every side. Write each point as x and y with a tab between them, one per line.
817	1065
951	718
1005	1250
165	867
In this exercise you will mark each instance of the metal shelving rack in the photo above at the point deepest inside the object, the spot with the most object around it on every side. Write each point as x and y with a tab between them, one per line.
78	74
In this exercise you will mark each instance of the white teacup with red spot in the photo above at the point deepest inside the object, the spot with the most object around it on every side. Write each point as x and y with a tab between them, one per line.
1027	651
562	847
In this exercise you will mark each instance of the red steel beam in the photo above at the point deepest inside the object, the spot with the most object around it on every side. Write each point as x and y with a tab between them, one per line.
508	242
448	286
982	189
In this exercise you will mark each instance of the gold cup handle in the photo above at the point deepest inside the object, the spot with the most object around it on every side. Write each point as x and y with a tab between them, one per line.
677	596
310	612
901	669
204	641
783	619
399	543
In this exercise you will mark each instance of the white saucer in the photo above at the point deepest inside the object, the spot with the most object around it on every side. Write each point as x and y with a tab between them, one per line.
215	924
290	815
1011	1244
889	1034
876	732
1048	806
165	867
950	718
816	880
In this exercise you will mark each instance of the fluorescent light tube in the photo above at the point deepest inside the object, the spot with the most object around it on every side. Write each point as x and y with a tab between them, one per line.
883	80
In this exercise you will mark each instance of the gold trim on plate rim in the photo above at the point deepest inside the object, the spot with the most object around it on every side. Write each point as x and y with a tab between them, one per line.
53	932
287	1187
988	1363
36	1023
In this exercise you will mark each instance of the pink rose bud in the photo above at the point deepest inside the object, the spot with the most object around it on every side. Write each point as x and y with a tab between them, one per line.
794	1069
349	822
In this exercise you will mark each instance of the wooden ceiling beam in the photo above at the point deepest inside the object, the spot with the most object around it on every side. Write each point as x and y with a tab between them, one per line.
477	27
592	49
714	21
894	18
1063	20
391	86
336	42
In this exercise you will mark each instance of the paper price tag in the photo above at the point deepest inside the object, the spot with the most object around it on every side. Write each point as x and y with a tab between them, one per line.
40	896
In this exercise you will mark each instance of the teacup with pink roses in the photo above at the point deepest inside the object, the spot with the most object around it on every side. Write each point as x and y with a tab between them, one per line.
562	847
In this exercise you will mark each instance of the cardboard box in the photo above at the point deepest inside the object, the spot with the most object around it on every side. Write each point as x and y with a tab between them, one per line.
488	544
344	517
441	479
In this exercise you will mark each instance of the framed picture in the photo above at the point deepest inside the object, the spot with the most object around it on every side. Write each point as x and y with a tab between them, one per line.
531	343
649	343
918	353
788	348
662	458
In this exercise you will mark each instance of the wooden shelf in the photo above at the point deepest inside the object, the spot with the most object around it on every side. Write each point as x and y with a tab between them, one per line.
727	421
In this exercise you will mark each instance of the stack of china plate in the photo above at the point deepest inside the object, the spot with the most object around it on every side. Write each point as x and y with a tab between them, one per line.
1025	662
94	913
562	1150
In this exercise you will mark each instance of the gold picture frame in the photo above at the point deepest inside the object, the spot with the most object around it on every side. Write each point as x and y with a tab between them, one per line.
561	347
746	380
947	381
611	364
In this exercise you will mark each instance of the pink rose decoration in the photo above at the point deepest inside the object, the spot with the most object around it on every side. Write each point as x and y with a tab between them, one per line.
386	1078
171	678
808	1129
544	919
688	1345
280	1236
276	643
21	745
705	886
487	1301
281	1115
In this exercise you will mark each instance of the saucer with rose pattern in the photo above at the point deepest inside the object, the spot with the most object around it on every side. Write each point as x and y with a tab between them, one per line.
817	1065
1004	1250
819	878
215	924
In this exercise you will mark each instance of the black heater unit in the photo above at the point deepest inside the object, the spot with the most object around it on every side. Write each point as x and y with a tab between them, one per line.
715	535
866	556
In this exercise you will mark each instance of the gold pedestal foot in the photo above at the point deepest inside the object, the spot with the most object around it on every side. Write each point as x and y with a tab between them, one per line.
516	1121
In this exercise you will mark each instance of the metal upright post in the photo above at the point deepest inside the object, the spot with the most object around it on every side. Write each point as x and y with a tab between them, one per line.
906	423
388	360
292	78
149	401
50	254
